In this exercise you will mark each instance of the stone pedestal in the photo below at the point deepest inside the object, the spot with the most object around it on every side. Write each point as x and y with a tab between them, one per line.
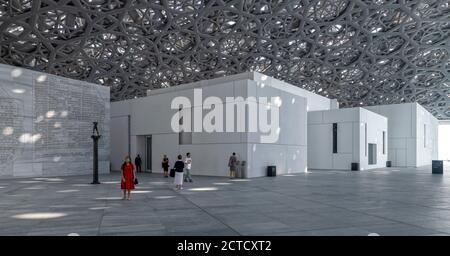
95	139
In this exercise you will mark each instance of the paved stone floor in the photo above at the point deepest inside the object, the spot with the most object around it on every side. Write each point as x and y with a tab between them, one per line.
385	201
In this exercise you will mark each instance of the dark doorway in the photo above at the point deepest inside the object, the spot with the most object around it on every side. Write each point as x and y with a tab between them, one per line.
148	147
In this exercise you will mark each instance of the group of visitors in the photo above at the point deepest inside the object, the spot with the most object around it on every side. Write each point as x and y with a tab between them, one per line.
181	171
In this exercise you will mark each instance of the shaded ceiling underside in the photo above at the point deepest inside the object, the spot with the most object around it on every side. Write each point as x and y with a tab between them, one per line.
359	52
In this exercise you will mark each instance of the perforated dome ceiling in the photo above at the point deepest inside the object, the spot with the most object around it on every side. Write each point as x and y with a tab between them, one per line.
360	52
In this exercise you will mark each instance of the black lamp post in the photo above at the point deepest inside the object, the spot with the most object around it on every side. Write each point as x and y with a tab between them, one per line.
95	137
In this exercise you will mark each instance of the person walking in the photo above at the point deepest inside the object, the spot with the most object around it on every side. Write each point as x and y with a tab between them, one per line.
179	167
232	163
128	177
188	165
138	163
165	166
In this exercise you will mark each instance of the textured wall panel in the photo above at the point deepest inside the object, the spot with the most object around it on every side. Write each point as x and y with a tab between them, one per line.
46	124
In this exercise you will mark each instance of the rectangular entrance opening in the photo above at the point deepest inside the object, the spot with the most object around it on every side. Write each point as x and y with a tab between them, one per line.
372	153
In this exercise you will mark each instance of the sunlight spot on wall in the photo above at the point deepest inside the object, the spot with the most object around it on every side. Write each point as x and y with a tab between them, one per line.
18	91
50	114
28	138
16	72
278	101
39	119
8	131
41	78
64	113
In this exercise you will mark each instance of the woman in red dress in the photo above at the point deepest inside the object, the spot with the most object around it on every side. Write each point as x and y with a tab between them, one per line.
128	176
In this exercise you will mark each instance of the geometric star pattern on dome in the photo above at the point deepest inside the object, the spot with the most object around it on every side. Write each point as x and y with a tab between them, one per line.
359	52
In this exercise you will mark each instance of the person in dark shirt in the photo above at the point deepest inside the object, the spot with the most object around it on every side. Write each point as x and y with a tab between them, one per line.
138	162
165	166
179	167
232	163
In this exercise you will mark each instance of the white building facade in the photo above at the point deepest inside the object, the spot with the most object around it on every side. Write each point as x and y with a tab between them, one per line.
339	137
144	126
413	134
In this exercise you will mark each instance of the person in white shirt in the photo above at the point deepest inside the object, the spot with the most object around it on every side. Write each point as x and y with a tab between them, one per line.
188	165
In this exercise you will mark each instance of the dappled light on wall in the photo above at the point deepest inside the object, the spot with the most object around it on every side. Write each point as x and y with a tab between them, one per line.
16	72
18	91
41	78
8	131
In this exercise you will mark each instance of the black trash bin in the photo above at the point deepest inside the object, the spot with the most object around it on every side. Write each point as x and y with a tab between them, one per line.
271	171
437	167
388	163
355	166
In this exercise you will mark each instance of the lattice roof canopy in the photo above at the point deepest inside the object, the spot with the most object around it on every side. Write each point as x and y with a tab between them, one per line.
360	52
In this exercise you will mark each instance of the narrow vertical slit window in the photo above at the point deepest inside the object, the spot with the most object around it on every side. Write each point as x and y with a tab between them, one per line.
424	135
335	127
365	139
384	143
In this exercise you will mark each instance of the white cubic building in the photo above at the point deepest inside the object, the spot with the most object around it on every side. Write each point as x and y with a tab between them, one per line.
413	134
145	125
339	137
